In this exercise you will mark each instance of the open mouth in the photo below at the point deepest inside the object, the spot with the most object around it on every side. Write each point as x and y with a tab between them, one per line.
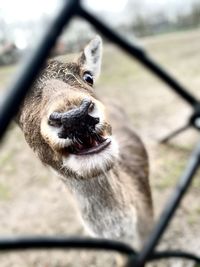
88	146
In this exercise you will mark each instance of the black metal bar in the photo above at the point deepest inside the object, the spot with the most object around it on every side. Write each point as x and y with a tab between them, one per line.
140	55
158	255
31	68
170	208
175	133
15	96
46	242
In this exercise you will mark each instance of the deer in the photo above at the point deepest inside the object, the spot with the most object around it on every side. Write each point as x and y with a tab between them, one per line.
91	145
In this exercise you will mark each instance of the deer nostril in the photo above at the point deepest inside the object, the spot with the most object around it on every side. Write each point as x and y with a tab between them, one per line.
76	120
55	119
96	120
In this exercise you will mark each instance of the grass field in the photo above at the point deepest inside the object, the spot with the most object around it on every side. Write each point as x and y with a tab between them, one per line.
34	201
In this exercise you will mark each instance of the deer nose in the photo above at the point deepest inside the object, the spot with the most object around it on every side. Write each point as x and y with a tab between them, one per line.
74	120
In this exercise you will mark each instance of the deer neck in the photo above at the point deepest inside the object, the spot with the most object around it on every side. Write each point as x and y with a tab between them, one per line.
101	202
100	191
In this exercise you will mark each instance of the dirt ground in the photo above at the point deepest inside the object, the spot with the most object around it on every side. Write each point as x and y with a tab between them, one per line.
35	202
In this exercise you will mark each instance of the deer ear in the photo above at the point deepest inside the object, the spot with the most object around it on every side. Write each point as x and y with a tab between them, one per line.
90	57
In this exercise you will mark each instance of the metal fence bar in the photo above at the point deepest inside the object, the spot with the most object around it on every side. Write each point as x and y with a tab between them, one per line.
140	55
15	96
32	67
67	243
171	207
174	254
47	242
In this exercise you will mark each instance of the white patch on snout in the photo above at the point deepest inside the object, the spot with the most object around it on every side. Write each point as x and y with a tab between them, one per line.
85	165
98	112
50	134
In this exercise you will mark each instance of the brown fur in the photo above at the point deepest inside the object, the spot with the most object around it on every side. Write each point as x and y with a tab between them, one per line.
124	185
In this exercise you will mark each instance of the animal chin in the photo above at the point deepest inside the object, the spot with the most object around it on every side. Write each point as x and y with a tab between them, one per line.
88	146
91	160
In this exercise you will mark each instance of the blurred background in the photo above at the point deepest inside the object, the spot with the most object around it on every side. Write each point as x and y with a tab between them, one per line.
32	199
23	22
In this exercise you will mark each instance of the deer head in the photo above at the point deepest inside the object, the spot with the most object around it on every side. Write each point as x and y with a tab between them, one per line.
64	122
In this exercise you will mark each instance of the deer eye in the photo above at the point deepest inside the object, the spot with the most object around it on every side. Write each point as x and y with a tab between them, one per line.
88	78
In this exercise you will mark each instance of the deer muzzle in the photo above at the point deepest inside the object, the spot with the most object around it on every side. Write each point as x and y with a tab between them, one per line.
75	122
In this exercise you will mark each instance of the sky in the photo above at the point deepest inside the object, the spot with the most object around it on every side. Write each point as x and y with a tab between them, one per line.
23	10
31	10
114	6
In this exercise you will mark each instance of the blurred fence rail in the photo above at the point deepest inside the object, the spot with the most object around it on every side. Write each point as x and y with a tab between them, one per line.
15	95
